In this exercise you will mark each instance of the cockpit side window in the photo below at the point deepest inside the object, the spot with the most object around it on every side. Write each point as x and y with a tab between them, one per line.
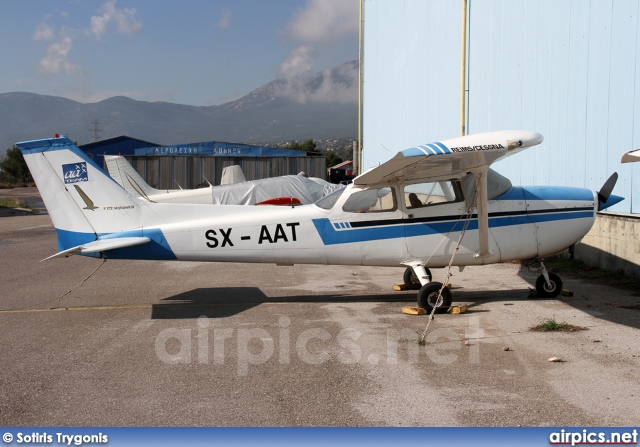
375	200
420	195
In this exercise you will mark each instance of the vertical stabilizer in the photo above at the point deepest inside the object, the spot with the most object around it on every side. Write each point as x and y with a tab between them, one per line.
123	173
82	200
232	174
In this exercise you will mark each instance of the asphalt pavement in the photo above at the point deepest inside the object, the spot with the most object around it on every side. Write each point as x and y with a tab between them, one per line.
141	343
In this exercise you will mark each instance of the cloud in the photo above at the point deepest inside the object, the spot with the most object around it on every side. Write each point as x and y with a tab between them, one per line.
299	62
325	20
339	84
43	32
57	58
314	28
225	19
124	19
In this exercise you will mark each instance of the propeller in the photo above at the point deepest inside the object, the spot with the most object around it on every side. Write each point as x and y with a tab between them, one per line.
605	191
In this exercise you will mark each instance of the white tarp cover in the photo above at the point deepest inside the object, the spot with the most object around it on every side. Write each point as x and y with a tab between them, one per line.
307	190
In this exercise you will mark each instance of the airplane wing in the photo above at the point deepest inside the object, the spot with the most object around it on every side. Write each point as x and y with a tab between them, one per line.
101	245
631	156
446	159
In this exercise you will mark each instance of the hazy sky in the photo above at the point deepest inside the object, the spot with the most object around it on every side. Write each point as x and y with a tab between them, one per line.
197	52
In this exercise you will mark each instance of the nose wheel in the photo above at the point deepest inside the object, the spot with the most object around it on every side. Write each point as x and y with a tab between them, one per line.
548	289
411	279
548	285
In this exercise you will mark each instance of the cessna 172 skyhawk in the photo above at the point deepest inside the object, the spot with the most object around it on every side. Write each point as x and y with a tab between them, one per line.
410	211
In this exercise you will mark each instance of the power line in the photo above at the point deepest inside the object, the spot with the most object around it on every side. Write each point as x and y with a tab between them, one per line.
96	130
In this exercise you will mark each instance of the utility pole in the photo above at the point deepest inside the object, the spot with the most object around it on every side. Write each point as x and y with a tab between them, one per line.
96	130
463	74
357	153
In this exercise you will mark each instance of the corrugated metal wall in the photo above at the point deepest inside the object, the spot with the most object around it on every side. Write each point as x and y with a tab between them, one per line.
569	69
166	172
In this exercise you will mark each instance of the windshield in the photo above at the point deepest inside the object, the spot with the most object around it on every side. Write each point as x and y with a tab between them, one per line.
370	201
328	201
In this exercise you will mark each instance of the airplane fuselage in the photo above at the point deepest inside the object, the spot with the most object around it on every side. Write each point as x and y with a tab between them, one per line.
524	222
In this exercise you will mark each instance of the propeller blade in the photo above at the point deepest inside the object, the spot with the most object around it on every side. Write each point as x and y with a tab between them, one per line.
607	188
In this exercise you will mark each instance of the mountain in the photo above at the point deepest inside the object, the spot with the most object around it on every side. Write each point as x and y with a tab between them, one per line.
320	106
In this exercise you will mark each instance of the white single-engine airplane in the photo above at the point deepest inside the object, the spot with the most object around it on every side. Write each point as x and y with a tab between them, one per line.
416	210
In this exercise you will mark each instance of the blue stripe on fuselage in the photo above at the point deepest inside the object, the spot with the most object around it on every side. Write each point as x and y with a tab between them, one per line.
557	193
330	236
546	193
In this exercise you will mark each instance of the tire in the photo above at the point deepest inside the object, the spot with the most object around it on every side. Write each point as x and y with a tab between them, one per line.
411	280
544	291
428	295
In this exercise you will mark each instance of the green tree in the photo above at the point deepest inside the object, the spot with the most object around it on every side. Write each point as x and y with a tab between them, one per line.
15	167
332	159
306	146
310	146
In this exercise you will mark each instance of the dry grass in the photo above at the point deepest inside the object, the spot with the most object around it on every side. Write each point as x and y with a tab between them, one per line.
550	325
7	185
12	203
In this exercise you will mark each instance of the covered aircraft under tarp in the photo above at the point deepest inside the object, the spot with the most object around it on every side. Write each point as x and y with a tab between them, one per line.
305	189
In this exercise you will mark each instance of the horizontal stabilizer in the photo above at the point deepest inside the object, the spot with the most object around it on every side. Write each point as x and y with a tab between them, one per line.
101	245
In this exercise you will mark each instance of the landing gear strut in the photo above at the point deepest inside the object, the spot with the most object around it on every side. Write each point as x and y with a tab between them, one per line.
548	285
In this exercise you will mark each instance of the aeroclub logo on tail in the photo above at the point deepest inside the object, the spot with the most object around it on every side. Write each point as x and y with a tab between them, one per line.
75	172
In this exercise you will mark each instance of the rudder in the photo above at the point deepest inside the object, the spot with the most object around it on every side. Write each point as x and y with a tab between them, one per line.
82	200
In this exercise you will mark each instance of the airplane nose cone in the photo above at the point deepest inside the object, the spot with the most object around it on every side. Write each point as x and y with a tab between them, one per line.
612	200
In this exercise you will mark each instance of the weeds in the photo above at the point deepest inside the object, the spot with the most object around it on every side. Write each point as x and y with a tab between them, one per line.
12	203
550	325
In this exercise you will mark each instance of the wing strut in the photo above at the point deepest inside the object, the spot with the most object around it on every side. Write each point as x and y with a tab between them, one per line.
483	213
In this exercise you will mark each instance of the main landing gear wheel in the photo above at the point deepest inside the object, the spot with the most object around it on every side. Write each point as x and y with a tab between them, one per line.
428	297
543	290
411	280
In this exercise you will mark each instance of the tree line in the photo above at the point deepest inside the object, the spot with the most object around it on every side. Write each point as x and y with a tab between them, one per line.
333	157
13	168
